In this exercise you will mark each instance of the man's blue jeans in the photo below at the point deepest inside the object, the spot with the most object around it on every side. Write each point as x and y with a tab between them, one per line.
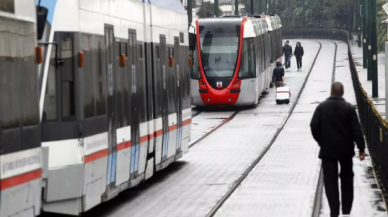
287	61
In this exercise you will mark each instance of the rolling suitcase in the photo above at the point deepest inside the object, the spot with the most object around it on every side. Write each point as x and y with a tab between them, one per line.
283	95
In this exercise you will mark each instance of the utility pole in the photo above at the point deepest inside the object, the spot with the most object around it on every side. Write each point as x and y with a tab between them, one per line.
269	7
259	11
374	72
365	34
190	11
216	8
236	7
303	8
251	7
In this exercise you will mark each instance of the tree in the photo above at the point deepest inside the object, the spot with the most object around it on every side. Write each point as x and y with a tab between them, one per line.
205	8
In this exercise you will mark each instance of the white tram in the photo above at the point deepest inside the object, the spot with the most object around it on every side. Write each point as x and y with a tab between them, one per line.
114	98
20	159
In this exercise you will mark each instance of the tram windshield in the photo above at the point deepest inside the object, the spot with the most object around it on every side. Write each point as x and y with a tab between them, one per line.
219	54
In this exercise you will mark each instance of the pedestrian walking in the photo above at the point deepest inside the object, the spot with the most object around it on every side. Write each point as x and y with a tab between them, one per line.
278	75
298	53
335	127
287	52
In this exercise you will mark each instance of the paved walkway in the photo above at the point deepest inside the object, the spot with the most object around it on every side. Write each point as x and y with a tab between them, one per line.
284	183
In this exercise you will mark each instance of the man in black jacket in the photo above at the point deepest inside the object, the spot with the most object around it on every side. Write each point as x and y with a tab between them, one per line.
278	75
335	126
287	52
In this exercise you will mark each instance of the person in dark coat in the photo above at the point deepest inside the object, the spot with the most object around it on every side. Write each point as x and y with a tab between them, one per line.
287	52
335	127
278	75
298	53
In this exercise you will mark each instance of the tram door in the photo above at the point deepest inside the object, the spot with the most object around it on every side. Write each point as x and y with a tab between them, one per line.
178	95
163	66
111	102
135	119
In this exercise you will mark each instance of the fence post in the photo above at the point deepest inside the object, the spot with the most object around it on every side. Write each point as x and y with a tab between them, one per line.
190	11
216	13
236	7
374	69
365	34
386	80
369	41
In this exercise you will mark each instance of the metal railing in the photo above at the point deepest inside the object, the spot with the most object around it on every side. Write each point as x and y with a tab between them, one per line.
374	126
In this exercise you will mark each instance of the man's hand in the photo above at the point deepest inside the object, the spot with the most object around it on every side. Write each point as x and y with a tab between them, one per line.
362	155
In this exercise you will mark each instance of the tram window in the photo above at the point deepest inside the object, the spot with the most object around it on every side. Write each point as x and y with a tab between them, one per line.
28	74
117	48
89	80
9	77
181	37
157	52
124	47
195	72
140	51
172	53
247	66
100	64
50	98
67	78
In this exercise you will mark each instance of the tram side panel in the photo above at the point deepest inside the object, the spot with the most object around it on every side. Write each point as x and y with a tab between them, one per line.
249	94
123	132
108	151
157	83
171	93
168	117
184	85
21	167
141	107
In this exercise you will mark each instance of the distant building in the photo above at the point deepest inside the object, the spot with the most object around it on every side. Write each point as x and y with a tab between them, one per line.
229	9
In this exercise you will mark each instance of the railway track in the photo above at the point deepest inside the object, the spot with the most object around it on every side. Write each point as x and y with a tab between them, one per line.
319	191
237	183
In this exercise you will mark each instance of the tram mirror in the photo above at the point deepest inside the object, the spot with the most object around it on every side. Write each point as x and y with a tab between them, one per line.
38	55
80	59
171	61
41	17
192	41
122	60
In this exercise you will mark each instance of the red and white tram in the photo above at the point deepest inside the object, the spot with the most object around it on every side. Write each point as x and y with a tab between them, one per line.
233	58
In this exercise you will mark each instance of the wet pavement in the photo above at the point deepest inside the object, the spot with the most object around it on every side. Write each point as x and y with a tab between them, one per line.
284	182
